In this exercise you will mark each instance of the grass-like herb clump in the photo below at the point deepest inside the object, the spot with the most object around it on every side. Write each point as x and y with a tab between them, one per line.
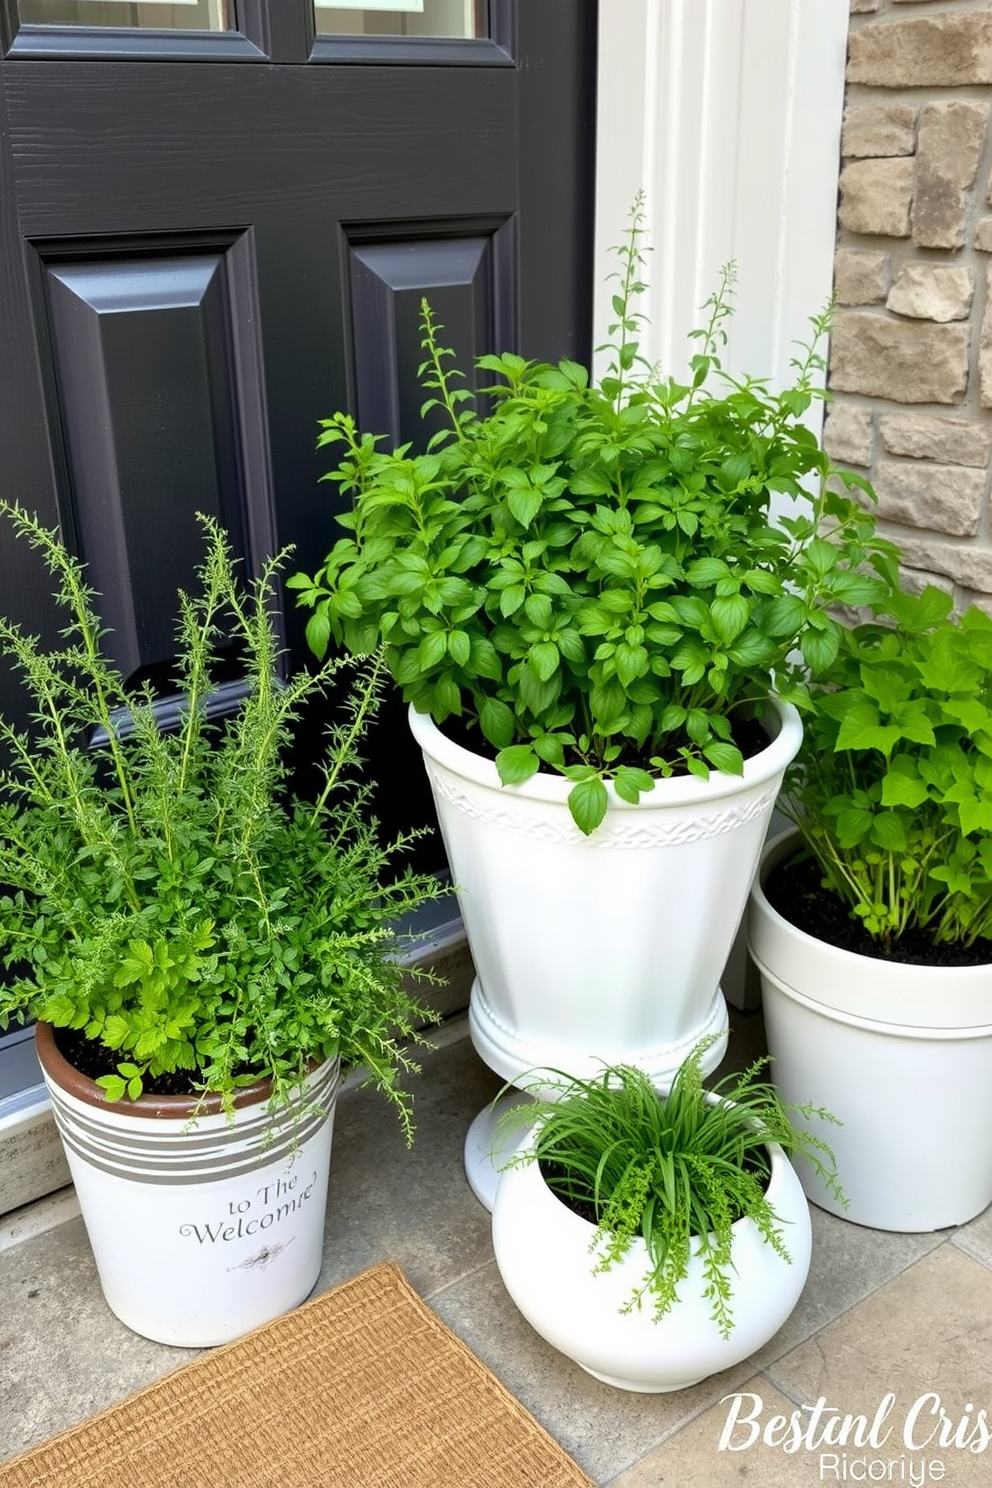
676	1170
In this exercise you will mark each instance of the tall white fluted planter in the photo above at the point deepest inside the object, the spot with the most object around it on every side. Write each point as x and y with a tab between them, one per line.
900	1054
600	949
543	1254
608	947
200	1231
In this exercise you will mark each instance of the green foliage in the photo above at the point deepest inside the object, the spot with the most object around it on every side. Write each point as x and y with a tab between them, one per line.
674	1170
892	789
163	893
591	575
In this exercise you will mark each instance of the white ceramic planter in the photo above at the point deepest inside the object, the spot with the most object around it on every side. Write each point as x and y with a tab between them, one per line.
902	1056
200	1232
542	1251
608	947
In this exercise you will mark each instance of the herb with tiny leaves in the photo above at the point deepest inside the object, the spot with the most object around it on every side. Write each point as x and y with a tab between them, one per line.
165	895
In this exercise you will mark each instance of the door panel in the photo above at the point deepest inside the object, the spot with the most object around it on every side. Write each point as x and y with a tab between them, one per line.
210	241
388	283
146	383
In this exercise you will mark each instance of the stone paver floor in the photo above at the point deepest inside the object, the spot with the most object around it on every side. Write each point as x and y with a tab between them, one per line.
894	1328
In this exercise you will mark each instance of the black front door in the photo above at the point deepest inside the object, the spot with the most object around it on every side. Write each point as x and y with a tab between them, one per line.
212	238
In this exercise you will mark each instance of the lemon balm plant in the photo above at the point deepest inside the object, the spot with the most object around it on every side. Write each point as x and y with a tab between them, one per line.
871	924
656	1237
590	576
184	922
892	790
602	628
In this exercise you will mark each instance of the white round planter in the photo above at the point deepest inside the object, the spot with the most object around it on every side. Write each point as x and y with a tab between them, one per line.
200	1232
608	947
900	1054
542	1251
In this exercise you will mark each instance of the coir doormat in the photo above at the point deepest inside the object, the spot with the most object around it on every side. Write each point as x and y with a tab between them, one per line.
363	1387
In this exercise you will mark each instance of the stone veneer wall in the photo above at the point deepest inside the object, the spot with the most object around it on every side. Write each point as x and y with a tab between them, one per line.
910	367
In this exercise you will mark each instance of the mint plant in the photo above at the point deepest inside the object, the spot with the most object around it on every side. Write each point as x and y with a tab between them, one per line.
672	1170
164	894
591	576
892	789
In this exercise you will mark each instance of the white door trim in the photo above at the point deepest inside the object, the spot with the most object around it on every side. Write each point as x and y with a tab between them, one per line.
727	113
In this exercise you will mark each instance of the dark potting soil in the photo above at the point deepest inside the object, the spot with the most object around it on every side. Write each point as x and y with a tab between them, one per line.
93	1060
747	733
795	888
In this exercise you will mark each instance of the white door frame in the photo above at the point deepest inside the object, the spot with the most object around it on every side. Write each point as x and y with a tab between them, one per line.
727	113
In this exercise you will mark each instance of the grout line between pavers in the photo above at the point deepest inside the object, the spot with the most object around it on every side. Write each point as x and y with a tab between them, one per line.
769	1368
439	1291
983	1258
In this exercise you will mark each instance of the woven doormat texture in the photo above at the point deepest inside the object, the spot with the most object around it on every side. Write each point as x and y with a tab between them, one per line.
363	1387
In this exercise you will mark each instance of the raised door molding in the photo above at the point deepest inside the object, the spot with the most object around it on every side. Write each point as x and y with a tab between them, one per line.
728	114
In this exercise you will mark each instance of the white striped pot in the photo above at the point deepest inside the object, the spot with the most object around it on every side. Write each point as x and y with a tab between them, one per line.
201	1229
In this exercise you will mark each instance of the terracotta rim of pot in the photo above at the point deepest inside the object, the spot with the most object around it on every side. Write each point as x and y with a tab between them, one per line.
179	1107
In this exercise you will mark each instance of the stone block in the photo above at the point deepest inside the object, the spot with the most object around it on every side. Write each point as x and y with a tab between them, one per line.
949	145
879	130
927	291
915	580
942	498
859	7
964	563
33	1158
985	347
861	278
969	599
952	50
875	196
983	235
907	361
927	437
847	434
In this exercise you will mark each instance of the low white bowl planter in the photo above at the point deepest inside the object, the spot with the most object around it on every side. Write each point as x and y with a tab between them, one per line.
200	1232
607	948
543	1254
900	1054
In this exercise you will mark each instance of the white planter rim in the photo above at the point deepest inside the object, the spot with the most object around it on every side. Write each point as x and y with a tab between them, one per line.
678	790
914	1000
920	1031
